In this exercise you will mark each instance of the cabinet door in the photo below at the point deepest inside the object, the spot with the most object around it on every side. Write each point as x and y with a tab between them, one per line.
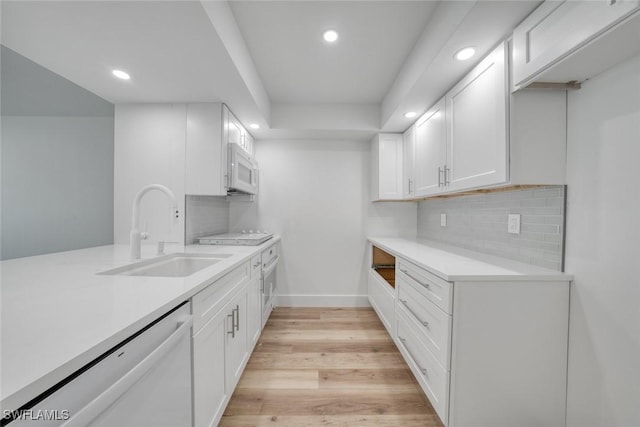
390	166
206	155
477	125
254	312
236	347
209	387
558	28
235	131
408	163
431	143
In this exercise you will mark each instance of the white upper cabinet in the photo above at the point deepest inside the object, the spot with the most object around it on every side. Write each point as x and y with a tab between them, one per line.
547	44
431	149
210	130
206	154
477	125
479	136
386	168
236	133
408	163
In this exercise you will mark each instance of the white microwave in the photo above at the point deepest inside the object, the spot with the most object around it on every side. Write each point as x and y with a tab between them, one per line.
242	172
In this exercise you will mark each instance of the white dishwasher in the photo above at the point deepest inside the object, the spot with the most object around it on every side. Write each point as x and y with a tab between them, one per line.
144	381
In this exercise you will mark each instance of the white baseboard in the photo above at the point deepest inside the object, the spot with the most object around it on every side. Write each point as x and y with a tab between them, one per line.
323	301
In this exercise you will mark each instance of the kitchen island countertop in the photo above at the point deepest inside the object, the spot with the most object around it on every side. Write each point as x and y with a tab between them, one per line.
58	314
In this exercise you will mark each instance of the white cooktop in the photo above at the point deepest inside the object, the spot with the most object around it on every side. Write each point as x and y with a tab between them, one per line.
236	239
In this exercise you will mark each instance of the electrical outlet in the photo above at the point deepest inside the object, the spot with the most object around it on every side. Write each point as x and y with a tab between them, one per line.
513	226
443	220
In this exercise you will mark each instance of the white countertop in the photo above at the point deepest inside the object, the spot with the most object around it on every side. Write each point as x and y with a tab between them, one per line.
456	264
57	314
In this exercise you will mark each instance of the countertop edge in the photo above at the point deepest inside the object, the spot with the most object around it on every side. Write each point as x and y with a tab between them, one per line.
548	276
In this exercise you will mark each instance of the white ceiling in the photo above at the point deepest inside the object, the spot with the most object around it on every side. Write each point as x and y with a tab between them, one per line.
170	48
298	66
264	56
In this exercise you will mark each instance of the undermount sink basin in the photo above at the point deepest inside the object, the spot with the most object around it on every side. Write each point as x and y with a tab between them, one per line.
174	265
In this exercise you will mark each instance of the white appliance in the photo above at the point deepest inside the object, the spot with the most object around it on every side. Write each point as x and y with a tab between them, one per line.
269	259
236	239
242	171
144	381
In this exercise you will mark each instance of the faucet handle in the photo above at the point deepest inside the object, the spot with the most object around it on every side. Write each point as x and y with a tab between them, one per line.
144	235
161	243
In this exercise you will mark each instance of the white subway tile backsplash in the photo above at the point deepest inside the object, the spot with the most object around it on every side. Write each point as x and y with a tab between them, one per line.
205	215
479	222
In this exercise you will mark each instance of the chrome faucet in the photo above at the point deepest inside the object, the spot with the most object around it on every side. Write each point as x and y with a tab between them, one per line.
136	236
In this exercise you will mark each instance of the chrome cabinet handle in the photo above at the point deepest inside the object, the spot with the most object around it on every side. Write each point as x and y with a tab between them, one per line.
404	344
424	322
439	176
232	332
426	285
237	310
446	175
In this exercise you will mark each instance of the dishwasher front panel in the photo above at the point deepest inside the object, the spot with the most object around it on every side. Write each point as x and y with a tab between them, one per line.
146	381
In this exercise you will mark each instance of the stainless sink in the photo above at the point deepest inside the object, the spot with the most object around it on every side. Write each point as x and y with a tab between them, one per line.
174	265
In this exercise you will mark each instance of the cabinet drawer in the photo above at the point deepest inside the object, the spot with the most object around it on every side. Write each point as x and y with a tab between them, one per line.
433	379
209	301
433	324
382	298
438	291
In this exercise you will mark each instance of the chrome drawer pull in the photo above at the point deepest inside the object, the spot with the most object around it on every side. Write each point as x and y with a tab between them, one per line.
404	343
424	323
426	285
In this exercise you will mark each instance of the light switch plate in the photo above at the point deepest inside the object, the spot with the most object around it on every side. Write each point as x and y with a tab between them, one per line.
443	220
513	226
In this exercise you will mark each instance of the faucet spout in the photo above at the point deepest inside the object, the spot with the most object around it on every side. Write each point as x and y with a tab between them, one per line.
135	235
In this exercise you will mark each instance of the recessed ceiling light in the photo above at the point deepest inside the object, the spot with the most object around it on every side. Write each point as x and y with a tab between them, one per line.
410	114
465	53
121	74
330	36
254	126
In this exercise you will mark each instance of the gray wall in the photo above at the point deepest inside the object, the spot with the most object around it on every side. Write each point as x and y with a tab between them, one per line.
57	162
479	223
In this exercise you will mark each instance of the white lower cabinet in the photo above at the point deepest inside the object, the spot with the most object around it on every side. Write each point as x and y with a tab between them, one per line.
432	377
487	352
210	392
254	303
222	345
236	346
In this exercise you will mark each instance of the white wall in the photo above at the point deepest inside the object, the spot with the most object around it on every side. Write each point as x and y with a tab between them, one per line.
603	249
149	149
315	195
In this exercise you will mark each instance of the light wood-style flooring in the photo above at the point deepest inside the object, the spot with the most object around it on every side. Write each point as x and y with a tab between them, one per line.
327	367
